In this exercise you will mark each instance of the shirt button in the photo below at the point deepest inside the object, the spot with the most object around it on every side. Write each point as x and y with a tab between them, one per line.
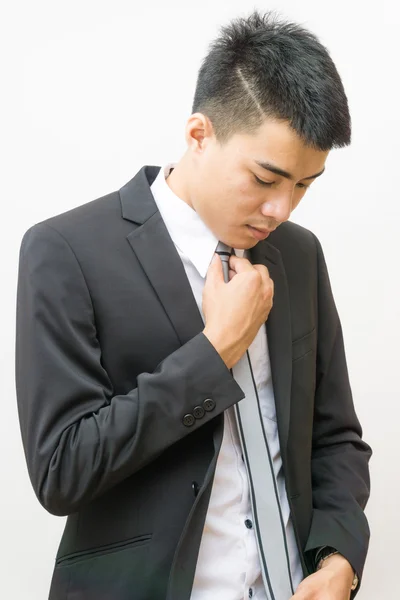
248	524
250	593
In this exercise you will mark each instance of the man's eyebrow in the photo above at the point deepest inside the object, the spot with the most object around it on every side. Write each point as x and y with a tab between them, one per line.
282	173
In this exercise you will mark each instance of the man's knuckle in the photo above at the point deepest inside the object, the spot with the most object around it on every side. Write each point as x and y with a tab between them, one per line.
255	275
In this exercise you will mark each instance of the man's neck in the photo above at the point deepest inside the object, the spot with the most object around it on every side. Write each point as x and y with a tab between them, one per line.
176	182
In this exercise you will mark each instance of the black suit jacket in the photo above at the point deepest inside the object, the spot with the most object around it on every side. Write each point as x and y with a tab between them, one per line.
110	357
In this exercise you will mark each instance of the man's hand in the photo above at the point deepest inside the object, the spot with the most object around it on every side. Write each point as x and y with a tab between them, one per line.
332	582
235	311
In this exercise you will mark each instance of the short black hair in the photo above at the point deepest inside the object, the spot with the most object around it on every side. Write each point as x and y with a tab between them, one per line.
264	67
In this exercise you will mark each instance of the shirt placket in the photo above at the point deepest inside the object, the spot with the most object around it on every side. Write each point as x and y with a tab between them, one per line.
249	544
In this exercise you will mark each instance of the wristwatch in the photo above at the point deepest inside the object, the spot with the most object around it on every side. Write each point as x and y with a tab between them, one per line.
325	553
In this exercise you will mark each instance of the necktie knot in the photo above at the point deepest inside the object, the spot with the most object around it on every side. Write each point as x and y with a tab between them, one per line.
223	249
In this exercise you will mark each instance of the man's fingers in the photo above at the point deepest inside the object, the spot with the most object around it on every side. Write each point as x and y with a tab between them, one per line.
239	264
262	269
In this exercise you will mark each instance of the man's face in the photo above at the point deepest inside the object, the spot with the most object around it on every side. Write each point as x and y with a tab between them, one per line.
226	183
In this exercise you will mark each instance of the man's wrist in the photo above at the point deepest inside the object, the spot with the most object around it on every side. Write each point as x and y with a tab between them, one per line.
330	558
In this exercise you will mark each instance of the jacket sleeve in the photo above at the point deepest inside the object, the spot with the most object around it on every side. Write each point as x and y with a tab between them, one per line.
339	465
79	438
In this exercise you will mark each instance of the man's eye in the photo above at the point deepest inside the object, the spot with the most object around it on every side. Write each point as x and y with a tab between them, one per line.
269	183
261	182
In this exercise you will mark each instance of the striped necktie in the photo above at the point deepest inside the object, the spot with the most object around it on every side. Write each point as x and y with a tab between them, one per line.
266	509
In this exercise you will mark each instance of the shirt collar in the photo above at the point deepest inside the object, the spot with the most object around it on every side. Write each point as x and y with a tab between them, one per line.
186	229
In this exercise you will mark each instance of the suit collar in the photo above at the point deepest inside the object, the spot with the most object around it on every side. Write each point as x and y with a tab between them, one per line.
137	201
162	264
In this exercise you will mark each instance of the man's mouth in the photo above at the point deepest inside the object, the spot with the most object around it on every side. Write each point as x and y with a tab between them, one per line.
259	234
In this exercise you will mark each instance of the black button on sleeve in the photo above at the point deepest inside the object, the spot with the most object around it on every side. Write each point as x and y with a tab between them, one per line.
199	412
248	524
188	420
250	593
208	404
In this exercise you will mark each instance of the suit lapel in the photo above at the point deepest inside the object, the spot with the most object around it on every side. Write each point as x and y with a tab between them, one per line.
158	256
161	262
279	336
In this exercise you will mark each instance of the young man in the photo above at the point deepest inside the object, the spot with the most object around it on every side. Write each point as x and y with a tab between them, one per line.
181	375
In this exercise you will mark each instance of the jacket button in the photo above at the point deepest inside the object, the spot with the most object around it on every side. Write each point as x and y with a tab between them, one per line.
188	420
199	412
195	488
208	404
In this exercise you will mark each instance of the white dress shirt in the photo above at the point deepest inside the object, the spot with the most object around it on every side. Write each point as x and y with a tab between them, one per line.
228	566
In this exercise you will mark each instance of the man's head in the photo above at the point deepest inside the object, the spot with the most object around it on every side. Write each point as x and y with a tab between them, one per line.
267	92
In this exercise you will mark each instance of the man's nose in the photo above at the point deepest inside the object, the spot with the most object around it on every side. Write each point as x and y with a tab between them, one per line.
278	207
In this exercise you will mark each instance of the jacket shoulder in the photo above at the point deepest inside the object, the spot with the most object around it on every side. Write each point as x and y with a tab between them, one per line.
95	211
88	222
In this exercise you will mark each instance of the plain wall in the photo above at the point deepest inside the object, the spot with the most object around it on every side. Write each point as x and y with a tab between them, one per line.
93	90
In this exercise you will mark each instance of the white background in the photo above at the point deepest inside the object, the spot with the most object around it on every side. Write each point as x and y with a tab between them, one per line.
93	90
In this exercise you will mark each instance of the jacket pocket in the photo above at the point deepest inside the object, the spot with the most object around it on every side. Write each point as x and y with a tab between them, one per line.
113	571
75	557
304	345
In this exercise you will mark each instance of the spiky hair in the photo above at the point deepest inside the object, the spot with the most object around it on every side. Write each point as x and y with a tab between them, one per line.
264	67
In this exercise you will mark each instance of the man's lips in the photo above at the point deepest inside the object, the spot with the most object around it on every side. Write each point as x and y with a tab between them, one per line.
262	229
259	234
